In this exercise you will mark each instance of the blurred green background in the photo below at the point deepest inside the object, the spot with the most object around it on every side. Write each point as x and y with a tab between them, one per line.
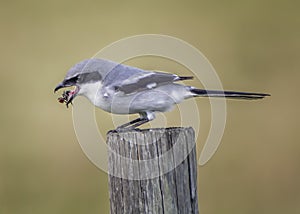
253	45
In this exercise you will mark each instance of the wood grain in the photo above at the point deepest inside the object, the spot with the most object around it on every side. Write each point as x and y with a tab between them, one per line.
153	171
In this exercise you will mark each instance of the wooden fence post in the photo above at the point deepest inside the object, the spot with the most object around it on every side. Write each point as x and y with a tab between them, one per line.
152	171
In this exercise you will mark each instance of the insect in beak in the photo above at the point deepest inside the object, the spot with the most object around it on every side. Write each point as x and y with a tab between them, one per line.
68	96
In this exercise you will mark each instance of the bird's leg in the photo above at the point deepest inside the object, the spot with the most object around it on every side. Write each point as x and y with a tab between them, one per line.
139	123
144	118
130	123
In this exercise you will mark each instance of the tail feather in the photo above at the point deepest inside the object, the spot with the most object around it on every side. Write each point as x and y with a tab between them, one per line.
227	94
181	78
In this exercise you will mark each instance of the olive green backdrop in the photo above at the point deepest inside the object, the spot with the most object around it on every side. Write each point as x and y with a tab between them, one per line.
253	45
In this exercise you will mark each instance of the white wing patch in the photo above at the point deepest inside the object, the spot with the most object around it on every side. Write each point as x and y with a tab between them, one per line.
152	85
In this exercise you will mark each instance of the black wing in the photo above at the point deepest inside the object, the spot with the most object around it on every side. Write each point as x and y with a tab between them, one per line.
148	80
129	79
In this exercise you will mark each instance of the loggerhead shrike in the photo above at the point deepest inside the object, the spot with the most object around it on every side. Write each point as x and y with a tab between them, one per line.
122	89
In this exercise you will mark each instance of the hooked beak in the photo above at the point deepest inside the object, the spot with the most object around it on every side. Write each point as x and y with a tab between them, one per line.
67	96
59	86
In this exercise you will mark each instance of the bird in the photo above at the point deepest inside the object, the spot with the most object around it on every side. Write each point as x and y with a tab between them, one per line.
121	89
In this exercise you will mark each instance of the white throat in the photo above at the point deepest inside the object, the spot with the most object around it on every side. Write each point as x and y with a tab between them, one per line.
90	90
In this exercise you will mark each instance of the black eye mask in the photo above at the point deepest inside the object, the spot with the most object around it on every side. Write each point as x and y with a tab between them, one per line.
71	81
89	77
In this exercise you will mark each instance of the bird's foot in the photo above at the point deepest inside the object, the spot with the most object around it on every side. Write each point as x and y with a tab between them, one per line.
123	129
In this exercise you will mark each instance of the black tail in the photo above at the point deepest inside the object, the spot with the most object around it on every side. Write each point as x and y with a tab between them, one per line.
227	94
181	78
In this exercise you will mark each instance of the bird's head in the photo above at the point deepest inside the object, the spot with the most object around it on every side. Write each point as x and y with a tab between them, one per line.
85	77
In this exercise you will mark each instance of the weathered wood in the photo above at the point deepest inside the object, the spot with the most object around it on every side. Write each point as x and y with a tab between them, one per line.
152	171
